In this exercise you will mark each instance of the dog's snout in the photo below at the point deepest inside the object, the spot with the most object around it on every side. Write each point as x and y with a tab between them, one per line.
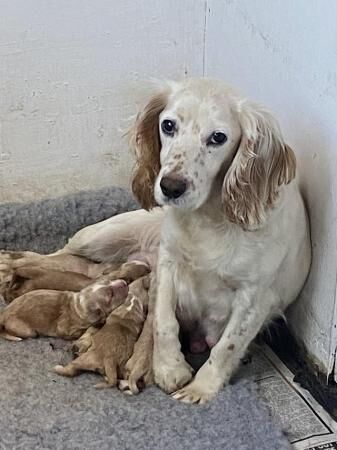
119	288
173	186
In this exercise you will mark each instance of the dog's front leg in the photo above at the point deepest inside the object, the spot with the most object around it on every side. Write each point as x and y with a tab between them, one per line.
171	370
251	308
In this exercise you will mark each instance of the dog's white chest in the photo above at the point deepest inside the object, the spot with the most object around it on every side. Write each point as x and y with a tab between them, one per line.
204	297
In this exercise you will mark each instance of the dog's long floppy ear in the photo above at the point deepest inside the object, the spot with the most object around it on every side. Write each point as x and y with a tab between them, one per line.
145	141
261	165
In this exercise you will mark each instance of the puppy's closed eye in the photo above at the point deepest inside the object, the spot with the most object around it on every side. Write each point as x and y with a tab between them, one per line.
96	312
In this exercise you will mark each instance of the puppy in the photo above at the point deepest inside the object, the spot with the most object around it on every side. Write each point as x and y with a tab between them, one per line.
112	345
61	314
27	278
57	261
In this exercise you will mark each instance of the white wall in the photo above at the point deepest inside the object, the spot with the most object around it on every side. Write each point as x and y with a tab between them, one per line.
64	85
65	73
284	54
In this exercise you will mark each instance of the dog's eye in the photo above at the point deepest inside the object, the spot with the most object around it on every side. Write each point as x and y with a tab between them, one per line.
217	138
168	127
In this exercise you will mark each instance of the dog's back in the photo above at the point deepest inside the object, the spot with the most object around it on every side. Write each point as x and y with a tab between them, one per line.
38	311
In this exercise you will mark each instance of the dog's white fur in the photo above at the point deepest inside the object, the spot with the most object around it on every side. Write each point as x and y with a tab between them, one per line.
234	248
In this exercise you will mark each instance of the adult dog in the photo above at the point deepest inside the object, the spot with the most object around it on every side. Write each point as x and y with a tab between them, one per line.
234	239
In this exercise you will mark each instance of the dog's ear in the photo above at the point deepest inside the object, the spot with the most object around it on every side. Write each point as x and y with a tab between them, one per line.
262	164
145	141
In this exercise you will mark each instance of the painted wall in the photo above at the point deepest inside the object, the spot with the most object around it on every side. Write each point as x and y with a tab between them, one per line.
66	76
284	54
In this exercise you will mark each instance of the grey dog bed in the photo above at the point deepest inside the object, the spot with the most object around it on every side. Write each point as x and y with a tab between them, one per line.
40	410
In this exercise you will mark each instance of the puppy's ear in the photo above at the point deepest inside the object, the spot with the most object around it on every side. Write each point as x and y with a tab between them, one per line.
262	164
145	141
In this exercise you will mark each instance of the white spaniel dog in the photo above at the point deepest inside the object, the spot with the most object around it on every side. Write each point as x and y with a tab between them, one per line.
233	235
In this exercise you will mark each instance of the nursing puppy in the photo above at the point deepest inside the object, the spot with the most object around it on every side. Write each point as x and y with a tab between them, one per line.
112	346
61	314
57	261
26	278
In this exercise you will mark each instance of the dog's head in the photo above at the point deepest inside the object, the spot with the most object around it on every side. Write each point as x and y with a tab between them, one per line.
97	300
198	137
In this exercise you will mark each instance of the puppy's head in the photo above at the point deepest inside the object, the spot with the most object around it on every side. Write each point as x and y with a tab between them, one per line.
198	138
100	298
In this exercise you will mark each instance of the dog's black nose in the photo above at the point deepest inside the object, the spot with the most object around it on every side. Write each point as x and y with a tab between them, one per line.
173	186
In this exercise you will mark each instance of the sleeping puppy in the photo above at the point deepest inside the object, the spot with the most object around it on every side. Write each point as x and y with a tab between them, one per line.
57	261
113	344
26	279
29	278
62	314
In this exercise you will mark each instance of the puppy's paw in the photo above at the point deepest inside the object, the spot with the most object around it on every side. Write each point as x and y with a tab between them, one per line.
79	346
6	275
102	385
10	255
194	393
66	371
10	260
174	376
139	371
60	370
123	385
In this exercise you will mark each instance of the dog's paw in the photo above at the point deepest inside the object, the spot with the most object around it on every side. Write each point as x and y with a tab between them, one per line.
102	385
194	393
8	262
10	255
60	370
6	274
139	371
124	386
174	376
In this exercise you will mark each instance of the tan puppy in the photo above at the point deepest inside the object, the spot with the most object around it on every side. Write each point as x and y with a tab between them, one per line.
57	261
61	314
29	278
112	345
26	279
